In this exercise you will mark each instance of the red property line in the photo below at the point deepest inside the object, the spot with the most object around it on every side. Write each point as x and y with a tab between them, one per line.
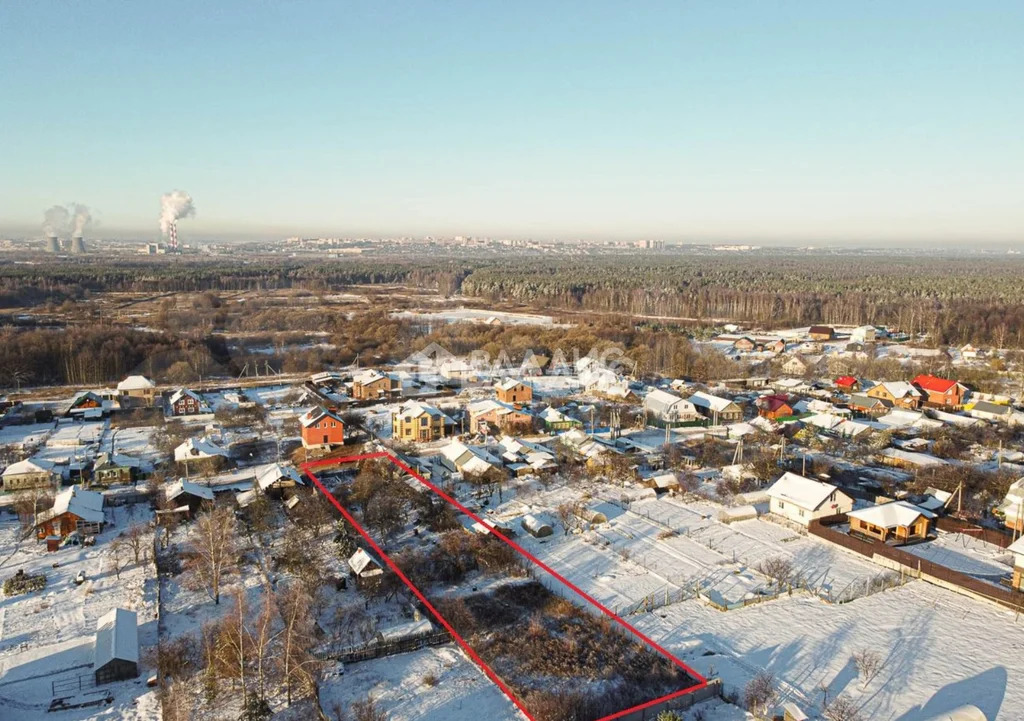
701	681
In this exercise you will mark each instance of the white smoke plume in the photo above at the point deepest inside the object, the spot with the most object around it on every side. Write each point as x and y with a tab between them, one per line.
71	219
55	220
81	218
173	206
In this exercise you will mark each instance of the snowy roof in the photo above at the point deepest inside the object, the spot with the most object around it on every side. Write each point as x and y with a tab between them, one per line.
135	383
890	515
663	402
28	466
87	505
196	448
914	459
508	384
362	561
182	393
706	400
315	415
1017	547
181	486
274	473
802	492
370	375
414	409
900	389
117	637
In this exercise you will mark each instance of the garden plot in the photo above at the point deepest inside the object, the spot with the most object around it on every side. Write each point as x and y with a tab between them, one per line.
433	684
967	554
598	571
828	571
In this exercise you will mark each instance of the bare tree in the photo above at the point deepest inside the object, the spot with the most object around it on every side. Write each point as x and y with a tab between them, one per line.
367	711
298	665
843	708
116	556
566	513
759	693
213	549
869	663
135	538
778	569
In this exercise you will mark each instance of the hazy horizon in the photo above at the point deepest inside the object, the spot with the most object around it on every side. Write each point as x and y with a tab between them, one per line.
791	124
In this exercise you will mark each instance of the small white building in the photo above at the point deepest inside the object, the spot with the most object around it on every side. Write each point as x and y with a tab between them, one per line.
864	334
802	499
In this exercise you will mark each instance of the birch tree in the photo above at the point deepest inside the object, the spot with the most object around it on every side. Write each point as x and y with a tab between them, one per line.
213	549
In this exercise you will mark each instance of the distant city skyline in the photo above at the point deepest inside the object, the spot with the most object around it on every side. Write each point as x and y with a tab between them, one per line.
788	123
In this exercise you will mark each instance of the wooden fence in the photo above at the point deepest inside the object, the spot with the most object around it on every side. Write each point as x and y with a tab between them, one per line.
990	535
379	649
915	565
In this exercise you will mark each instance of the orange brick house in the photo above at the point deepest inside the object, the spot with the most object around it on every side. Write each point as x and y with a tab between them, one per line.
322	429
940	392
372	384
896	394
514	392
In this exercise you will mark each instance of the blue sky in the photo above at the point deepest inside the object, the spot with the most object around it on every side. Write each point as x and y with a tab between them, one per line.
749	121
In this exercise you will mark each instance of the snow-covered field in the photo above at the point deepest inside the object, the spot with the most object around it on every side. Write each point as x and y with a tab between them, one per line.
433	684
458	315
941	650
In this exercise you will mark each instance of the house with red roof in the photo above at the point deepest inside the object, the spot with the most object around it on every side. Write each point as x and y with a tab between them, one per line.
847	384
940	392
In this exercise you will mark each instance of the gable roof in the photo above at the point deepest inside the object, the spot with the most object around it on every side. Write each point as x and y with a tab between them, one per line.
361	561
800	491
508	384
317	414
194	448
183	393
135	383
700	399
663	402
117	637
87	505
900	389
890	515
28	466
846	381
181	486
274	473
934	384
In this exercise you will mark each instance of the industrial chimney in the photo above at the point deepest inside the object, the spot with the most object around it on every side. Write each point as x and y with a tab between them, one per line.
52	244
77	244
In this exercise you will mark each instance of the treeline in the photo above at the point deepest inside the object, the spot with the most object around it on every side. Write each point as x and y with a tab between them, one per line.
98	355
955	301
27	285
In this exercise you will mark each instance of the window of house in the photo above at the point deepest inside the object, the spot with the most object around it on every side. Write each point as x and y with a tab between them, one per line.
423	421
781	504
801	513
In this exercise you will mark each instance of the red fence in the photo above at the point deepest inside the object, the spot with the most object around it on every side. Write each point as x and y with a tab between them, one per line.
821	527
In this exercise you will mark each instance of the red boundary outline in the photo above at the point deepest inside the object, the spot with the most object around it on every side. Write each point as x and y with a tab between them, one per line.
701	683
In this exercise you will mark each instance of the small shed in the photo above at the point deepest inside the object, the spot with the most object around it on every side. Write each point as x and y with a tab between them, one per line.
117	646
536	527
365	569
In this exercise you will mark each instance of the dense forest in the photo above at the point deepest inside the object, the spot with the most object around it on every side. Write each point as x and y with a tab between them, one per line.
952	300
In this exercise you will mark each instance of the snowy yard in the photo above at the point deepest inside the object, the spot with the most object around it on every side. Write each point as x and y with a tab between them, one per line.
967	554
48	635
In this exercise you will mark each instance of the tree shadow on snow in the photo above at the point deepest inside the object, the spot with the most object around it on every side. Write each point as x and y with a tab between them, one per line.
985	690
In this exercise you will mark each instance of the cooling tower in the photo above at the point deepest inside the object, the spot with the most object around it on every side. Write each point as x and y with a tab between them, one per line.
52	244
77	244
